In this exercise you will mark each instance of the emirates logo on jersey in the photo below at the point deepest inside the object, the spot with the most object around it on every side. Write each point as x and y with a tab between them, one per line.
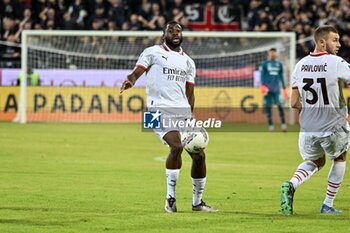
175	74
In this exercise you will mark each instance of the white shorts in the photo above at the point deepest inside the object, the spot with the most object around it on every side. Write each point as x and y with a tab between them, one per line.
313	147
169	120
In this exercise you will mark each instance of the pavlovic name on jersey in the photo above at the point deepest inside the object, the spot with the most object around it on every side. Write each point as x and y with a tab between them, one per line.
167	73
314	68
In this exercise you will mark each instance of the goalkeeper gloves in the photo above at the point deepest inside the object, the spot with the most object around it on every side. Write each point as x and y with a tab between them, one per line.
285	93
264	90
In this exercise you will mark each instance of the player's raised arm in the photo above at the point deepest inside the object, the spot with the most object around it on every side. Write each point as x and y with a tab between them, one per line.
131	79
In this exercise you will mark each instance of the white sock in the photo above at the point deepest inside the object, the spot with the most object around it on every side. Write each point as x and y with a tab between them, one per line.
335	177
171	178
198	189
303	173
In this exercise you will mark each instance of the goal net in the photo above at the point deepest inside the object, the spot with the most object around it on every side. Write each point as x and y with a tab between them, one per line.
81	72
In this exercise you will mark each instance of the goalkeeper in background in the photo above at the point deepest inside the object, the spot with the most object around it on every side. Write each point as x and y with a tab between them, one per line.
271	75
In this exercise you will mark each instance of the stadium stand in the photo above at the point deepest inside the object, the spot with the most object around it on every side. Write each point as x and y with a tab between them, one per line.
300	16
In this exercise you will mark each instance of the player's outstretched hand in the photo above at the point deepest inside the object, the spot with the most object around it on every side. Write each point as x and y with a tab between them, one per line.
126	85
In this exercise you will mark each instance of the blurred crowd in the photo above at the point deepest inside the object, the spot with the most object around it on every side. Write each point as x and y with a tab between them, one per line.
300	16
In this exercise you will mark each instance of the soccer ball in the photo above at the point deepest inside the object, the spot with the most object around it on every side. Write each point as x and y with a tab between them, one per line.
195	141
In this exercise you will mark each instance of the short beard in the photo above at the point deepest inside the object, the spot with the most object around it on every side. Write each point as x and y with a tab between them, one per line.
329	51
171	44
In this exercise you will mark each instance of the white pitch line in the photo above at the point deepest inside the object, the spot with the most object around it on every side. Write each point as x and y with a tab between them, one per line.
160	158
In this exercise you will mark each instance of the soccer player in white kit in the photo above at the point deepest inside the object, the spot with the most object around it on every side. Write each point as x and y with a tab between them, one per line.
170	78
317	83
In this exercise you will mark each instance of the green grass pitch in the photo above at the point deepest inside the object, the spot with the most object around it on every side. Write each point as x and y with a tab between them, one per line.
110	178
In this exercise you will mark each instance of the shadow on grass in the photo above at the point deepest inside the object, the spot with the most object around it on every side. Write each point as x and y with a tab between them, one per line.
37	222
296	215
26	208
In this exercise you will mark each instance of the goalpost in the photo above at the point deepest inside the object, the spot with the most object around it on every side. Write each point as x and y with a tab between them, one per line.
81	73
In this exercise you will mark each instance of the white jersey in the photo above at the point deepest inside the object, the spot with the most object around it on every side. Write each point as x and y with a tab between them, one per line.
167	73
319	80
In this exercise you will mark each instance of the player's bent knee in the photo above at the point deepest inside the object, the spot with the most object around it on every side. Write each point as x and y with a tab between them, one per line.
341	158
177	148
320	162
198	157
